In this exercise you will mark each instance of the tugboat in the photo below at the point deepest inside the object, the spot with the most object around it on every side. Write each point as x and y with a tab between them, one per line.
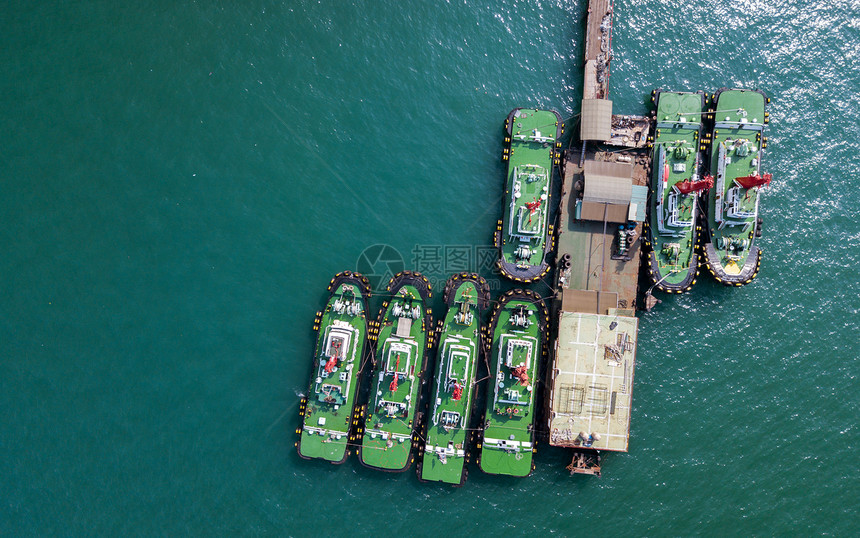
737	149
517	332
328	411
523	234
460	345
674	223
404	339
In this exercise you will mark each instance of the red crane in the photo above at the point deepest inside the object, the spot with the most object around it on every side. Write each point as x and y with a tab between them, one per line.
687	186
393	386
520	373
754	180
332	361
532	207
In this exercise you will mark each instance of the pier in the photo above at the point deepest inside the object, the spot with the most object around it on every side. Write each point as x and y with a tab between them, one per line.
598	49
601	214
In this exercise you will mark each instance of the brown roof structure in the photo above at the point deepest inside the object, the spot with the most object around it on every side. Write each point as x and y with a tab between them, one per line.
596	121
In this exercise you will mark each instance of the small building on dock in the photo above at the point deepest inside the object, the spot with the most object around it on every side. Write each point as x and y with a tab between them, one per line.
596	120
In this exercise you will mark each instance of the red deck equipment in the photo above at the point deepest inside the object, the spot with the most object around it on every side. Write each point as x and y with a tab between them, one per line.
521	374
532	207
754	180
393	386
458	391
687	186
332	361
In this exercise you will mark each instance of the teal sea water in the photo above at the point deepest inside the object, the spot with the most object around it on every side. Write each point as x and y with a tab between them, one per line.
179	181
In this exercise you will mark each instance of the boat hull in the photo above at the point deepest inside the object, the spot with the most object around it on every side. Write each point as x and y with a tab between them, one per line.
516	353
737	148
524	235
674	216
459	348
327	413
404	342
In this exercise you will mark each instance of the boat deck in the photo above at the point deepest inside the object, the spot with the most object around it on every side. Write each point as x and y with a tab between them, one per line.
532	135
675	216
737	149
328	411
401	359
518	338
737	214
446	435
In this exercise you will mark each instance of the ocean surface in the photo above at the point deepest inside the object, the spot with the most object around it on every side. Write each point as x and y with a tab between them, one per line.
180	180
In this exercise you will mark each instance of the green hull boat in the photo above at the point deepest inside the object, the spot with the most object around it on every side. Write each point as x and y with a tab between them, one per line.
524	234
737	149
459	347
328	411
404	340
517	345
675	216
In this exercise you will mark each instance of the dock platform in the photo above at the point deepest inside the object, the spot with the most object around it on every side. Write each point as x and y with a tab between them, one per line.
601	215
592	396
592	245
594	352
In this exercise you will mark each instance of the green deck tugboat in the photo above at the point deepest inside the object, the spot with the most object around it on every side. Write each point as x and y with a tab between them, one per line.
674	224
329	411
737	149
517	333
524	234
404	340
460	341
